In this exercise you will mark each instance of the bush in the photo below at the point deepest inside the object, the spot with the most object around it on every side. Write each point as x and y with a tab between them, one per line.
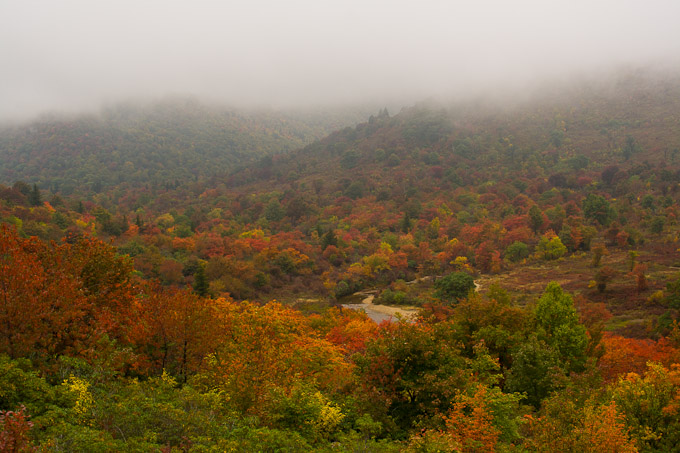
342	289
393	297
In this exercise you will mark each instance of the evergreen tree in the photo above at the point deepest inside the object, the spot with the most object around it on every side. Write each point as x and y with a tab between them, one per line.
406	223
329	239
34	197
535	218
201	282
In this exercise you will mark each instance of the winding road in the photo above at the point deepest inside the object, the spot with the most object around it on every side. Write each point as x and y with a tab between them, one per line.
377	312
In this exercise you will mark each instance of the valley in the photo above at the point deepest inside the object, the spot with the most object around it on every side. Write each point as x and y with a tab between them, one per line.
450	277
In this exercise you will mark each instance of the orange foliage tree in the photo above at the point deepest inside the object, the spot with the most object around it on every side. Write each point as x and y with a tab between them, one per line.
345	328
174	330
106	280
41	307
470	423
268	348
60	299
630	355
592	429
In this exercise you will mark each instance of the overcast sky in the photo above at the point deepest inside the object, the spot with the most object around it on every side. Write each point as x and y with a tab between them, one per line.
79	54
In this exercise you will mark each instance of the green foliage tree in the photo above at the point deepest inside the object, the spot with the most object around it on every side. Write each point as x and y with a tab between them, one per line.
455	286
201	286
492	320
551	248
350	159
556	137
673	292
630	147
578	162
406	223
556	349
632	256
597	208
307	411
410	375
559	326
274	212
393	160
657	224
329	239
517	251
556	216
535	218
21	385
535	370
647	202
355	190
34	198
342	289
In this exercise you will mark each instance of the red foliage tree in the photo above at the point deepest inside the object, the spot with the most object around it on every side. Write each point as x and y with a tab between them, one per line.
630	355
14	428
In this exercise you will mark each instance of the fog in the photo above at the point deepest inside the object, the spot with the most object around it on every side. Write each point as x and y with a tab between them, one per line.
80	54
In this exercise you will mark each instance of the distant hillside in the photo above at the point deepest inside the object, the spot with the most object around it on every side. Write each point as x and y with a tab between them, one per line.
627	121
165	144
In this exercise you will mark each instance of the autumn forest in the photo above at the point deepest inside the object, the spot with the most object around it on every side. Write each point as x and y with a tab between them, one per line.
179	277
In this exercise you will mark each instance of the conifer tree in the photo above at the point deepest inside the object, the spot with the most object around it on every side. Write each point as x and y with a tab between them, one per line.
201	282
34	197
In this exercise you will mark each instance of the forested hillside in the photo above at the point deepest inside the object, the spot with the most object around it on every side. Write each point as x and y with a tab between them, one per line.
537	240
163	144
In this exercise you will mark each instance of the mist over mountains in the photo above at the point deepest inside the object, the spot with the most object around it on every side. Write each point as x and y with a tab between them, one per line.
76	56
178	140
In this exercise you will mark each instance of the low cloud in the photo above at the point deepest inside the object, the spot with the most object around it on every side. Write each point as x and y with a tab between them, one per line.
75	55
